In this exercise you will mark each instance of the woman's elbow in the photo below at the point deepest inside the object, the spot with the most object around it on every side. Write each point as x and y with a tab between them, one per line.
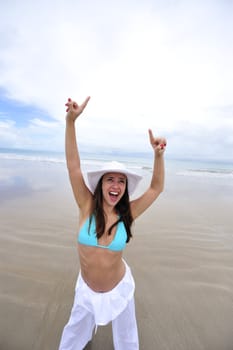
156	191
158	188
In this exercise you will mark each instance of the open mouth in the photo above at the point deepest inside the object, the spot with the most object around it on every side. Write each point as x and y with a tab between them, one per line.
113	195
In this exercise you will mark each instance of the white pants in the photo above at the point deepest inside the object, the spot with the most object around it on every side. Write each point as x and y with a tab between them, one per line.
91	309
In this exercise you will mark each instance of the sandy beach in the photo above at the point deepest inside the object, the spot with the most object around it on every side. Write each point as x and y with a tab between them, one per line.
181	257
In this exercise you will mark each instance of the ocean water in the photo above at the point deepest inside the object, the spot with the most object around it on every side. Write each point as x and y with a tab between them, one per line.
142	162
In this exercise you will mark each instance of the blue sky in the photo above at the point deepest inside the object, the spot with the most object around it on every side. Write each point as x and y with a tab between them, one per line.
18	112
165	65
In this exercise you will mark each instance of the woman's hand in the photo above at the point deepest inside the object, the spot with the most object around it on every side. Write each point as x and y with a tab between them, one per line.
74	110
157	143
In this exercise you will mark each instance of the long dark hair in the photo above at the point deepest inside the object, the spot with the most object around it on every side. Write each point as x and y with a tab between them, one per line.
122	208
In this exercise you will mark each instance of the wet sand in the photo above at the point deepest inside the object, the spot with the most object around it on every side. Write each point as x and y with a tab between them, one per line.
181	257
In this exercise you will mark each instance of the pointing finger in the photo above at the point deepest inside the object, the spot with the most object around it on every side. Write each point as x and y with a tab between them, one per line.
83	105
151	135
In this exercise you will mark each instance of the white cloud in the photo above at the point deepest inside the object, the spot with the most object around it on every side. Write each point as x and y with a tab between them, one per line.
6	124
145	64
37	134
44	124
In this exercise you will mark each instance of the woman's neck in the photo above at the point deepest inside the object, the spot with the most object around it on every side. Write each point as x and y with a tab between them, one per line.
109	210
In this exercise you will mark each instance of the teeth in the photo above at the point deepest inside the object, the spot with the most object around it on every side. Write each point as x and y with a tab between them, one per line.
114	193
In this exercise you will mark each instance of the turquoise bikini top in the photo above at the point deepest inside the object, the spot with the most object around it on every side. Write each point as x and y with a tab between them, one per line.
88	237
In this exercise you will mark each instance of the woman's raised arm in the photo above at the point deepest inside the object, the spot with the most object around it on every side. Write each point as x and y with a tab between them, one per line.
139	205
80	190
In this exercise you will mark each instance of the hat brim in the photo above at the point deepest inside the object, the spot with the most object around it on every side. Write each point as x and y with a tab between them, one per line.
132	178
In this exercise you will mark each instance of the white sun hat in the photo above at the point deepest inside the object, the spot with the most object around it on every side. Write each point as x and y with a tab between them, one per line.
113	167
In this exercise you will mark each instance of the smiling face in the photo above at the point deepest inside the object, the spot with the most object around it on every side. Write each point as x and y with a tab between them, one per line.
113	187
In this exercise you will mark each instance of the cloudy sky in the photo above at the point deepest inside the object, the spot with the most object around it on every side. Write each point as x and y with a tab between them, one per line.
160	64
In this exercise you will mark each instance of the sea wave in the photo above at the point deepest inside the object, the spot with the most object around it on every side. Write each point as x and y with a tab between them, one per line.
218	173
32	158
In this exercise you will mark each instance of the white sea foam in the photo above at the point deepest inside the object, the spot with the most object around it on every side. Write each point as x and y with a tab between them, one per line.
32	157
214	173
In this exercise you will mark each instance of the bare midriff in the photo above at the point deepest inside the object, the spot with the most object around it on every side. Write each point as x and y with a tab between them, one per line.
101	268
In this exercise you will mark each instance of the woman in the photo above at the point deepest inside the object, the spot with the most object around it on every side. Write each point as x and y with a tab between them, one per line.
105	287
